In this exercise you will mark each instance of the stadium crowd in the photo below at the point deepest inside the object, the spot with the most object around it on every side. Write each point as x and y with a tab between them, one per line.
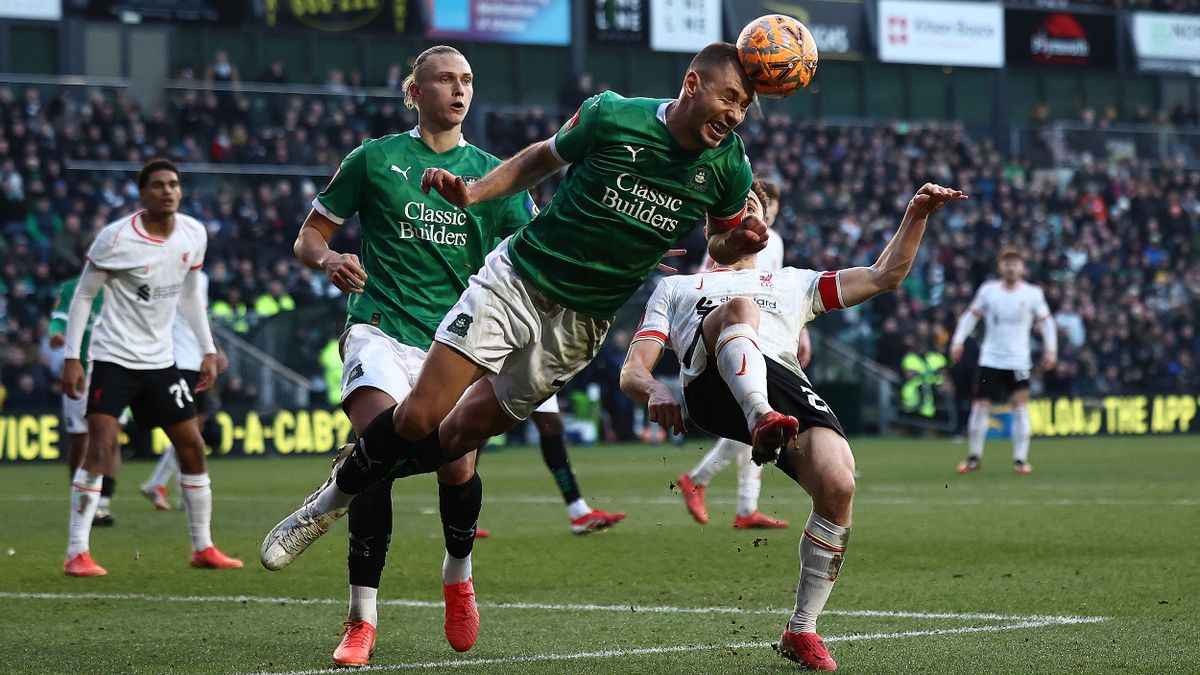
1116	244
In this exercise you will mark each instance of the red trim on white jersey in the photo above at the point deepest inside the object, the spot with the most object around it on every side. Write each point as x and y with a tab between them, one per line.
657	336
831	291
138	232
726	224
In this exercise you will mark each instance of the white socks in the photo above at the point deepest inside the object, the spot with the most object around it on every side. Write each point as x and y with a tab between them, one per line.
455	570
1021	432
85	495
749	483
977	428
724	452
744	369
577	509
362	604
822	550
196	491
332	499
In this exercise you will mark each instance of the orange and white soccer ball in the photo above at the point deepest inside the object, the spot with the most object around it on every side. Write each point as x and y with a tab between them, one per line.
778	54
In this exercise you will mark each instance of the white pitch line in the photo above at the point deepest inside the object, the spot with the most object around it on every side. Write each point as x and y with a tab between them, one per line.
625	609
643	651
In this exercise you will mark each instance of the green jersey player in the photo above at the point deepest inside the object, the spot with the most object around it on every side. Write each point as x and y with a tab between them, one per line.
643	173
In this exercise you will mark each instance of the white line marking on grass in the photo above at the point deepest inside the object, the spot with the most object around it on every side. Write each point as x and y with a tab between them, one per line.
627	609
643	651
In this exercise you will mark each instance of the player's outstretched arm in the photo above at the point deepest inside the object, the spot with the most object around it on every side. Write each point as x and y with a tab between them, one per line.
638	383
312	249
860	284
521	172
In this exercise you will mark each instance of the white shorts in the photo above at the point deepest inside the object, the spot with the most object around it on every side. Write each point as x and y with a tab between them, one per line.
531	345
74	414
372	358
550	405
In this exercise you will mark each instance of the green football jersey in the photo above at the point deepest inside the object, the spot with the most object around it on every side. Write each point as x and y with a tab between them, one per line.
58	317
418	250
630	194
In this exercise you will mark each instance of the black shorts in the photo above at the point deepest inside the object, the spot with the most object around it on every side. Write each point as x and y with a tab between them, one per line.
192	377
158	398
711	406
999	385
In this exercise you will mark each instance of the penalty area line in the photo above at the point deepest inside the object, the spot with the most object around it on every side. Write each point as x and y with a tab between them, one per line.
1041	622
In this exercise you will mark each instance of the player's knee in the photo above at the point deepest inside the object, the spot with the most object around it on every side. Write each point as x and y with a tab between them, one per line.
415	419
457	472
838	486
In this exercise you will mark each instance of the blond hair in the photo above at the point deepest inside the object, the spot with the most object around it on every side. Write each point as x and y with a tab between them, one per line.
411	78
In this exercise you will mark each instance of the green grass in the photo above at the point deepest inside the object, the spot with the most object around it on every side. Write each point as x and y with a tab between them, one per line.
1103	528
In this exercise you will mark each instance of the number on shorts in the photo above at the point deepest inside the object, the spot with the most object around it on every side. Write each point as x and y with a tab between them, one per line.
180	391
814	400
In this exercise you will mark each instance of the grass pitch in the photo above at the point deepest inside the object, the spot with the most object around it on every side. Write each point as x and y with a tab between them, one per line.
1087	565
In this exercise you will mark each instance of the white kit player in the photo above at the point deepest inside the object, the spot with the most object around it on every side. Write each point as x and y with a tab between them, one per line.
1010	308
692	484
188	358
147	264
736	331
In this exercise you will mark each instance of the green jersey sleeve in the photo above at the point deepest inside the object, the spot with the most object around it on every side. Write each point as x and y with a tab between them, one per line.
511	214
728	210
343	196
576	137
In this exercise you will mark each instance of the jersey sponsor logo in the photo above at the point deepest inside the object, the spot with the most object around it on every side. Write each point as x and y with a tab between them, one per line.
469	180
642	202
402	172
699	179
143	292
460	325
355	373
633	151
430	224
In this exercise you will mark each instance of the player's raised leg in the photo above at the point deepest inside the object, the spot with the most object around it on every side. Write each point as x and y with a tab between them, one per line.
731	336
819	460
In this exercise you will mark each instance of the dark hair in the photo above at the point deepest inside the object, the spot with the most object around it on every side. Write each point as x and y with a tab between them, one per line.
416	67
767	191
160	164
713	56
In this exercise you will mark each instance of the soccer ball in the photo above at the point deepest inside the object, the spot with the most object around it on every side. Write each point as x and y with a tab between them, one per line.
778	54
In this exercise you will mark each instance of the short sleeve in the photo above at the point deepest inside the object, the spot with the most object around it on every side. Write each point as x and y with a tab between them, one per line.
512	213
341	198
731	205
573	141
819	292
656	319
108	255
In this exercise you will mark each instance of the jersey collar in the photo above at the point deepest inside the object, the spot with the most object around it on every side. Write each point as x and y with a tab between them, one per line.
415	132
661	113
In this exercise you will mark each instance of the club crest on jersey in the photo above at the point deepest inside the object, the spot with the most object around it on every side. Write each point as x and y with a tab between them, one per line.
699	179
185	258
460	325
765	279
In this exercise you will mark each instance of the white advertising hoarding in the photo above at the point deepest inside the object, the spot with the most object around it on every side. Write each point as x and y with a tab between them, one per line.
684	25
1167	42
46	10
941	33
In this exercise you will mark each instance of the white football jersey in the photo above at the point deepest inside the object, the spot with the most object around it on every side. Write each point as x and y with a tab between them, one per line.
187	347
145	277
787	299
1009	316
769	259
